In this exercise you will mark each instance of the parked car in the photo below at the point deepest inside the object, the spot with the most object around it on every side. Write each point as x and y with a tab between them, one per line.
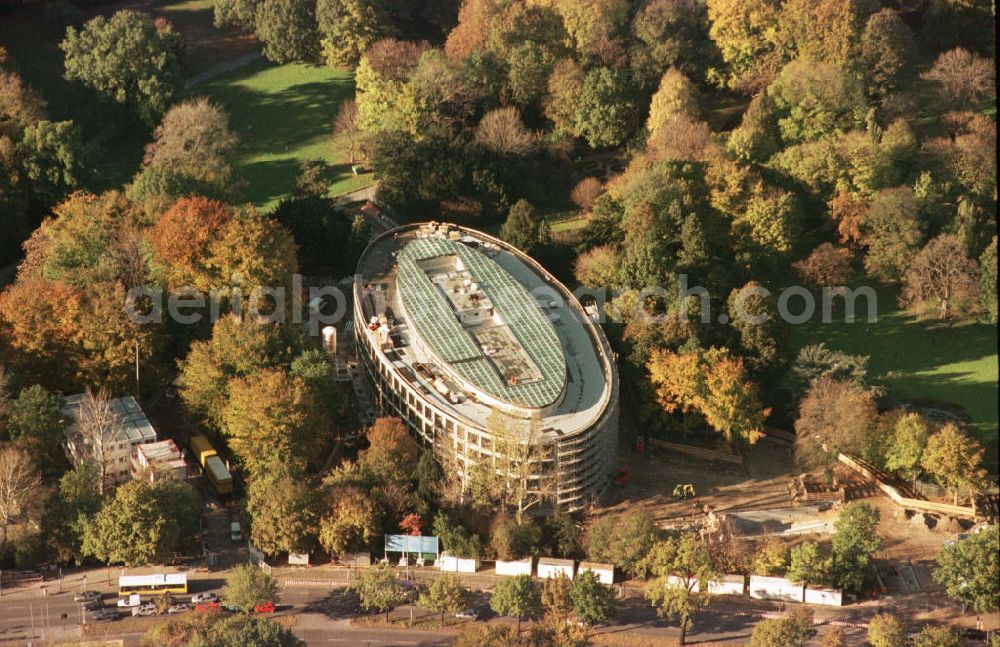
104	615
178	608
130	601
207	607
144	610
86	596
92	605
468	614
204	597
235	531
264	607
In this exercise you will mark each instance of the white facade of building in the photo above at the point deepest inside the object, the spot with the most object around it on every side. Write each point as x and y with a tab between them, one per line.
454	326
152	460
120	442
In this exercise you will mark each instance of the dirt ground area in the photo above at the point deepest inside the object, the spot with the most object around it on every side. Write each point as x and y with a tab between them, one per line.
761	484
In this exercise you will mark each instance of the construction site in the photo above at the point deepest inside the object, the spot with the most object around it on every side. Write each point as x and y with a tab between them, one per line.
760	499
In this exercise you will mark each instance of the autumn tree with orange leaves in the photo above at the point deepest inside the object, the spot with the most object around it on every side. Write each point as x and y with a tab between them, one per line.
207	245
714	385
392	453
63	321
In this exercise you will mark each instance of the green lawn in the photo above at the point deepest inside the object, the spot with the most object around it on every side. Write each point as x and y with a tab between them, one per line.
921	359
283	116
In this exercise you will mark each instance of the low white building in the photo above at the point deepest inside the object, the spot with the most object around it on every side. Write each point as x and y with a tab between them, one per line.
553	567
605	572
514	566
152	460
774	588
452	564
116	448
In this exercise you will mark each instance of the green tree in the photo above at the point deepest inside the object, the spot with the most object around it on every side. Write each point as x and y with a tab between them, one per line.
808	565
349	27
886	52
669	34
445	594
379	589
969	569
748	37
510	540
524	228
816	361
779	632
675	95
77	500
248	585
36	416
813	100
606	109
322	232
128	59
430	479
988	283
891	231
909	438
753	312
623	540
190	146
288	30
886	630
53	157
564	87
238	347
5	388
455	538
242	630
936	636
767	228
953	459
855	540
144	523
270	416
315	368
770	558
682	567
593	601
349	520
516	596
235	13
757	137
280	503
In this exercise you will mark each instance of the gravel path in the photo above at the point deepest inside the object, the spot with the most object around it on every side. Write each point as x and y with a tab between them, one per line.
222	68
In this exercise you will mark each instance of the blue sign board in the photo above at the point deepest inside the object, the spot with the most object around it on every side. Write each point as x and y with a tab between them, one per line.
411	544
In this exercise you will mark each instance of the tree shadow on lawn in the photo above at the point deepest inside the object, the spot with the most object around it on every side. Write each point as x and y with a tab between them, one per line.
279	122
268	181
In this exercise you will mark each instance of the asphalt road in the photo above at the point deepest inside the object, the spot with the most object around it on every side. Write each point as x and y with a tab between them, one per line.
323	617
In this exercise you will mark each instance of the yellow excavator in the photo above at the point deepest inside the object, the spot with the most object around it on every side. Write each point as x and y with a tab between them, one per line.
684	491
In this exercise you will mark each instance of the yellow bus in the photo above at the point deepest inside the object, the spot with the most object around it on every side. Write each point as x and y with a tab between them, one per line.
152	584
